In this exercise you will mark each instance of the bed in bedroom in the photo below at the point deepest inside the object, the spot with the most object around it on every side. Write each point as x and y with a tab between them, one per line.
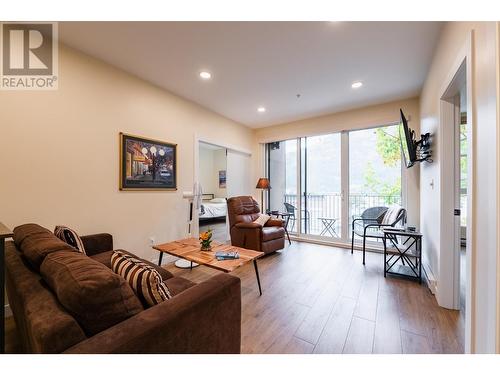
212	209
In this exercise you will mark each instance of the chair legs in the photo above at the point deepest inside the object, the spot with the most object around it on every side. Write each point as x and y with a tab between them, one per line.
352	242
364	246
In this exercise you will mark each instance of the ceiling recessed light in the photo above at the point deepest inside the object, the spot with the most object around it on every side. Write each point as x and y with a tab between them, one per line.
261	109
357	85
205	75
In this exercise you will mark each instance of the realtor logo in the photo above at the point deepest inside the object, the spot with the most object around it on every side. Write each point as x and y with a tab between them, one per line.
28	56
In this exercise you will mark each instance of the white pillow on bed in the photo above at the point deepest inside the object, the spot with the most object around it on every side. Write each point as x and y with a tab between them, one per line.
218	200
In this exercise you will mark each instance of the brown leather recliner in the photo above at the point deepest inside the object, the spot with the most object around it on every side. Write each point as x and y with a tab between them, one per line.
242	212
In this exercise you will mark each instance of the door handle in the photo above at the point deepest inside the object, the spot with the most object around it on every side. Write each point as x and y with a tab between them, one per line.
456	212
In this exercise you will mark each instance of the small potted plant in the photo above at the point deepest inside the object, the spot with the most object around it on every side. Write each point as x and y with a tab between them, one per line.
206	240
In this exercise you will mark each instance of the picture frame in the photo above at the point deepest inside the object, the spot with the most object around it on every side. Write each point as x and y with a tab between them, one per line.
147	164
222	179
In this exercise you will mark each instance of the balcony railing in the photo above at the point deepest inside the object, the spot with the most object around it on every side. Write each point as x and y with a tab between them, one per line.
318	207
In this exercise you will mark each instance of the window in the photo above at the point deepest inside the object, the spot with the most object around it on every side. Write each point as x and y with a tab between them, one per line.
339	175
374	169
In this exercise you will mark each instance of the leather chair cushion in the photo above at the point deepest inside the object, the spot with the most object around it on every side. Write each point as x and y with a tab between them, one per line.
95	296
272	233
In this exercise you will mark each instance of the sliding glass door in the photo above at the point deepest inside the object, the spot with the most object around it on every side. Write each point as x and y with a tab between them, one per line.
374	169
321	182
321	185
282	172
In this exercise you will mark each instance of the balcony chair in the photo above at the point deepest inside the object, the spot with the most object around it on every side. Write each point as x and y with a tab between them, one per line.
372	220
290	208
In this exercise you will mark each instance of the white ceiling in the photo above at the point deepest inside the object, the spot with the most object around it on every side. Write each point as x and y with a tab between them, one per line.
267	63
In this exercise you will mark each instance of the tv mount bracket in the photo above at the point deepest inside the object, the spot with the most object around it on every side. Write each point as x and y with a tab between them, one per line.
422	148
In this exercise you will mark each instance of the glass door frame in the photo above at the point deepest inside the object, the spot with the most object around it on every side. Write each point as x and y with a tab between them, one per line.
345	224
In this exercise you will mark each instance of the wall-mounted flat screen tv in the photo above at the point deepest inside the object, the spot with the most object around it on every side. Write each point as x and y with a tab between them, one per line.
406	136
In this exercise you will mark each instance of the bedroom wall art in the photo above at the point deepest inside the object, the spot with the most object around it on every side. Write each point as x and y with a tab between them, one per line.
222	179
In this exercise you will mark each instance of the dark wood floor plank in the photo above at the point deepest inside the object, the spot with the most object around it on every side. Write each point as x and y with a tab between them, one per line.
360	337
366	306
334	335
387	338
298	346
312	326
411	309
414	344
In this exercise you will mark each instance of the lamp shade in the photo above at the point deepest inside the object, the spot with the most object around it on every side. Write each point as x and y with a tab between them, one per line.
263	183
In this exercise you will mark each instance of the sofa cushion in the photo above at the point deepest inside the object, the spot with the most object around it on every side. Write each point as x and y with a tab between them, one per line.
272	233
96	296
43	325
144	279
36	242
21	232
177	285
105	258
69	236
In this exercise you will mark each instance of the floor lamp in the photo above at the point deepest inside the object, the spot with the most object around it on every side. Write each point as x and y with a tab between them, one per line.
263	184
194	199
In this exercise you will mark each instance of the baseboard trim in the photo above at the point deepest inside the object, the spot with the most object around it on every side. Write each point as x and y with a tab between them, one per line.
345	245
429	277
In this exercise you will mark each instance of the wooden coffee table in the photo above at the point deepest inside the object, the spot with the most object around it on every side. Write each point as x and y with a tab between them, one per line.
189	249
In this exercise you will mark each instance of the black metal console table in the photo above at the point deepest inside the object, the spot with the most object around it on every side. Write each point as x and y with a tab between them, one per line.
4	234
403	253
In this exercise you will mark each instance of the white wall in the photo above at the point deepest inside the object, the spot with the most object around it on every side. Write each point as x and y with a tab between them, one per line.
483	250
59	153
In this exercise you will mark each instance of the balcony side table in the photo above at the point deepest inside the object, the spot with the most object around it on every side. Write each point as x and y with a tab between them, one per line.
408	252
286	217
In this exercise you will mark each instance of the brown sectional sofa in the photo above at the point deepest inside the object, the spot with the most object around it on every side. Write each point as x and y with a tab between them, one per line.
67	302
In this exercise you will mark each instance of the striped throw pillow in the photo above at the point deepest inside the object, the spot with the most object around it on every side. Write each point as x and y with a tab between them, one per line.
69	236
144	279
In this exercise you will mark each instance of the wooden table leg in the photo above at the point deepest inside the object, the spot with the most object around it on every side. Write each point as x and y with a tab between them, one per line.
257	274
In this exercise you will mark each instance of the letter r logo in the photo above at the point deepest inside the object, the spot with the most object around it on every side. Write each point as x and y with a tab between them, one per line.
27	49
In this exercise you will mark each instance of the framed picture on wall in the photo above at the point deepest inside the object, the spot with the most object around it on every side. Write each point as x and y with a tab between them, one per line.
147	164
222	179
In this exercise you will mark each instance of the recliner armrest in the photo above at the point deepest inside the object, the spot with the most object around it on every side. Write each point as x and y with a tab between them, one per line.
250	225
205	318
97	243
275	223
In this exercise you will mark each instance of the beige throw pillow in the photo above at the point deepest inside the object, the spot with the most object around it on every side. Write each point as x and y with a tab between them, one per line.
262	219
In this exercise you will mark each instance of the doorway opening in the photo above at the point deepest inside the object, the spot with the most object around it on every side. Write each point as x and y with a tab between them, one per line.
456	134
213	180
461	161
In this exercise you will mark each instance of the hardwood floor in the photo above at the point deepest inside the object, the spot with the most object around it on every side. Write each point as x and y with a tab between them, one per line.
321	299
